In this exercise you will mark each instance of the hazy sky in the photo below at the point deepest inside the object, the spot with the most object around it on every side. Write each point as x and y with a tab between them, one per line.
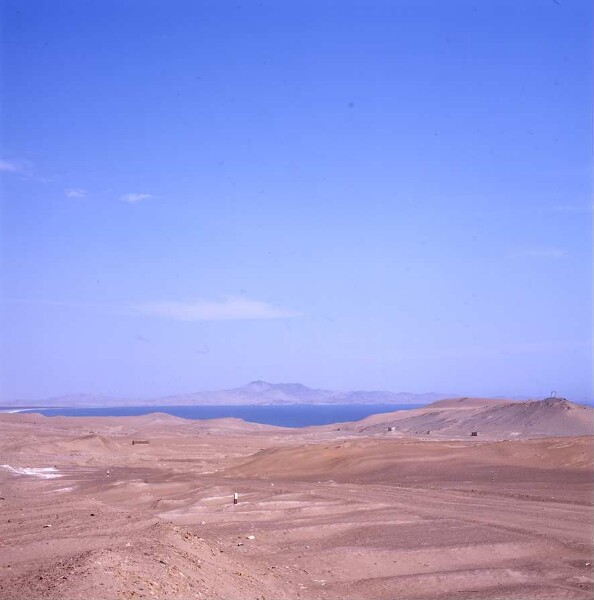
354	195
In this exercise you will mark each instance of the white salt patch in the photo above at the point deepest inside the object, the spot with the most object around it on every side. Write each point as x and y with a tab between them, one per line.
41	472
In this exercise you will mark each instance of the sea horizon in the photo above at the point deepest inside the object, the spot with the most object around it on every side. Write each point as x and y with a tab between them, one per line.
285	415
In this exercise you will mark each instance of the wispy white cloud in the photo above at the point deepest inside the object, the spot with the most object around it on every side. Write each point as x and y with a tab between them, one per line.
23	169
15	166
8	166
135	197
76	193
229	309
543	252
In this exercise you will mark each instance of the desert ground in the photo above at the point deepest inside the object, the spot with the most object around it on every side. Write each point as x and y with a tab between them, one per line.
404	505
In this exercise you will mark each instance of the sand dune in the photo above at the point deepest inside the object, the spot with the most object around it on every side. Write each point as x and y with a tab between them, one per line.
491	419
94	551
344	511
397	461
468	402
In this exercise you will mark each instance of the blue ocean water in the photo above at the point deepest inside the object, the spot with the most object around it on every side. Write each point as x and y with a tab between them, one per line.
295	415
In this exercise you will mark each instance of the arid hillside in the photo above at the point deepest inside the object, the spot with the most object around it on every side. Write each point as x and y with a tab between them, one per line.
142	507
489	419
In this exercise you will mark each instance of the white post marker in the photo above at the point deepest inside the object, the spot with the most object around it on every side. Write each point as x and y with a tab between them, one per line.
235	497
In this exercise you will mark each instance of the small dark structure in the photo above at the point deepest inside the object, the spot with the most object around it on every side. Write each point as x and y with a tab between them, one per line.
391	428
474	433
134	442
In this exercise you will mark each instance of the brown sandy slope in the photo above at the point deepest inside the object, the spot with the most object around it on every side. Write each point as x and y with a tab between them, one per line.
468	402
490	419
322	514
396	460
81	548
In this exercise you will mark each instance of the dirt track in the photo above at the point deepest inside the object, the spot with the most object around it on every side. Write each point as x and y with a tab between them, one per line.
332	514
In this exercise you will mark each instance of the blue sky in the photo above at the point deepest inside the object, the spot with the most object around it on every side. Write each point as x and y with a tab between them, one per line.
353	195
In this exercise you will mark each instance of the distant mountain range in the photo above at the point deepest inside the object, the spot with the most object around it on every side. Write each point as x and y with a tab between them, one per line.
256	392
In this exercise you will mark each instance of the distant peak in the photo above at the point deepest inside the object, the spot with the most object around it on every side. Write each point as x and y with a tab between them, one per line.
257	386
260	387
292	386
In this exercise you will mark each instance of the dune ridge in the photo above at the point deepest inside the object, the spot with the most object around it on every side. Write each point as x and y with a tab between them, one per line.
348	510
492	418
